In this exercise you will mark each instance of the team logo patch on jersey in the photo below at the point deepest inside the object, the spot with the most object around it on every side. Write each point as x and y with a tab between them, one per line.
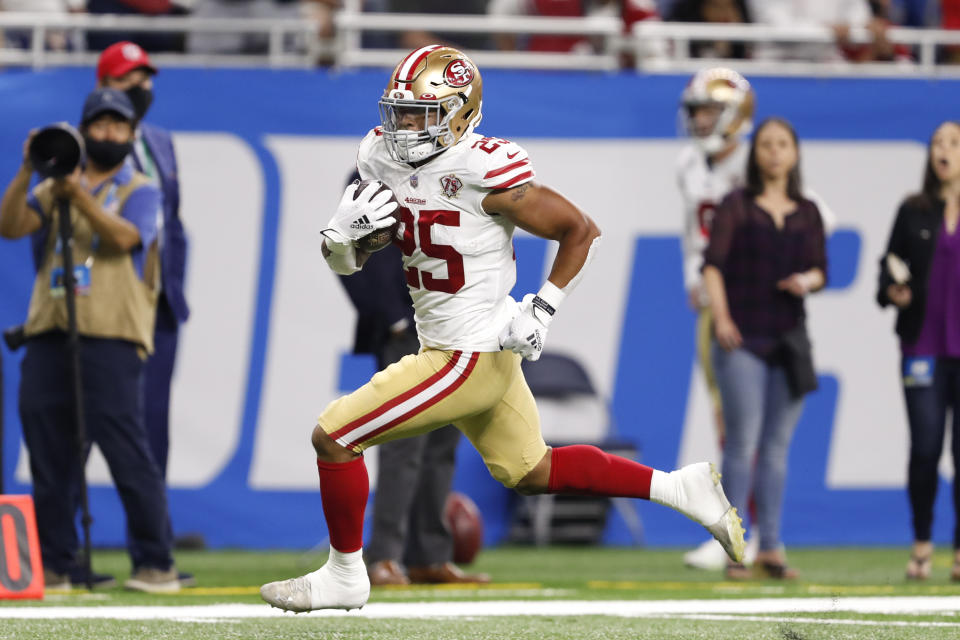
451	185
414	181
458	73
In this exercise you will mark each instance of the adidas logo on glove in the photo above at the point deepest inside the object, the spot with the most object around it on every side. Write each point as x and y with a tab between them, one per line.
363	222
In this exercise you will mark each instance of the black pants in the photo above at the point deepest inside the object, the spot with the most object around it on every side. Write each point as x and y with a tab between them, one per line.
415	476
112	395
927	414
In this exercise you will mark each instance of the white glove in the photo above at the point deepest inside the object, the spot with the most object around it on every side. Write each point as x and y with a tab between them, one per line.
527	331
358	215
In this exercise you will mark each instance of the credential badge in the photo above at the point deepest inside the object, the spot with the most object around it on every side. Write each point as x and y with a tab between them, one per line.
451	185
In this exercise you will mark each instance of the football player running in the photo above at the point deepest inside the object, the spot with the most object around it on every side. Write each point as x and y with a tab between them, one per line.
461	195
716	111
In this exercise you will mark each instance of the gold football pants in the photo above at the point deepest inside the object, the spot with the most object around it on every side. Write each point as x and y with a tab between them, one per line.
484	395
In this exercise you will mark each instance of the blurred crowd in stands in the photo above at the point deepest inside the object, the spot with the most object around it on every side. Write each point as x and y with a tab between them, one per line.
877	16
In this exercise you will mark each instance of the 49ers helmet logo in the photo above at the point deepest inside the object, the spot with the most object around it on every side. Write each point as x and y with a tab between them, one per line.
458	73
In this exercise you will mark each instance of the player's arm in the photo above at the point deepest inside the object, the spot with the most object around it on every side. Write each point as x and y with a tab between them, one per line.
346	263
547	214
540	210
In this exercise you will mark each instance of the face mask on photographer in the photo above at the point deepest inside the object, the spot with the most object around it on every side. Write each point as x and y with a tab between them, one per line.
141	99
107	154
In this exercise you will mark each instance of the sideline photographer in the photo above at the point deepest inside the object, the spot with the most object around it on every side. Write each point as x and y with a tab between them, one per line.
113	211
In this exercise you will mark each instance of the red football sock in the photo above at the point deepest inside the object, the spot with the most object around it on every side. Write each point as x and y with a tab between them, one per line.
586	470
344	488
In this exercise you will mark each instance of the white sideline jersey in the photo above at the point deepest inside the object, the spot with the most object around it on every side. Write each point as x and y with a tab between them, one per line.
702	187
458	259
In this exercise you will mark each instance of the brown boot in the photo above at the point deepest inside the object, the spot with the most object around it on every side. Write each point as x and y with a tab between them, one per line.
444	573
384	572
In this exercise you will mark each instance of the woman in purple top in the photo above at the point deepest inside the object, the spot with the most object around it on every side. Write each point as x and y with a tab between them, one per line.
766	254
926	292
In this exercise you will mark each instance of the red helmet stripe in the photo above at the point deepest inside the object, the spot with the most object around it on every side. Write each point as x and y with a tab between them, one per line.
410	64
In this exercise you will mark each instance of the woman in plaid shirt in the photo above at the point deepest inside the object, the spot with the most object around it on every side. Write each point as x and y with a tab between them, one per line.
766	254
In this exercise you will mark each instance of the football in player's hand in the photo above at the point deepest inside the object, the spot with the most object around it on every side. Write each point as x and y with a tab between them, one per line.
379	238
466	526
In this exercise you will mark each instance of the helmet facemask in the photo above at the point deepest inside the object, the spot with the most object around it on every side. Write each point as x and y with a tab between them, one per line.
719	135
415	145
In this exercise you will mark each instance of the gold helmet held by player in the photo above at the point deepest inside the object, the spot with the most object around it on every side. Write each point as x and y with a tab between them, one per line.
733	100
438	84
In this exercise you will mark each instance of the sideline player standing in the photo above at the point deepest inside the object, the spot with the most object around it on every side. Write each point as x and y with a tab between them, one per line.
716	109
462	195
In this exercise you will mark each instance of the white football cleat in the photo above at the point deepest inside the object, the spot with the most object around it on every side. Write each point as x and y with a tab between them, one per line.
695	492
709	556
329	587
753	547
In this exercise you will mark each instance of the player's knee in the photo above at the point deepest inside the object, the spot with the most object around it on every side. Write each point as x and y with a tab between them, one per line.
328	449
537	479
530	486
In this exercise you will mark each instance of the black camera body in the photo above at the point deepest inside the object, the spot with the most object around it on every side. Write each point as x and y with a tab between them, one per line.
14	337
56	150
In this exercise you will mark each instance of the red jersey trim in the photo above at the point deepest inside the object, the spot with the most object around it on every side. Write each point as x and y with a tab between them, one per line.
515	180
502	170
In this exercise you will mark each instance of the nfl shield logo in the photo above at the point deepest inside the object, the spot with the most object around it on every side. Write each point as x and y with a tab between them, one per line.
414	180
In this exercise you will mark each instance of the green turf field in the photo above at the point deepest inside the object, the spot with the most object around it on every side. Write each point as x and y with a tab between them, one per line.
565	593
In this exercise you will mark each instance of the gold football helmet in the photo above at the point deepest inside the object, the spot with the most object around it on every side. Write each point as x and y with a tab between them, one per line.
438	84
727	91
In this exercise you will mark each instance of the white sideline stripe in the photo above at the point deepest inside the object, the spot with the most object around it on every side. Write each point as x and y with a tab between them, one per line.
619	608
840	621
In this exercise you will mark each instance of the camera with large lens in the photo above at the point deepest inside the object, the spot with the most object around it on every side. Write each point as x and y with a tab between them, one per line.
56	150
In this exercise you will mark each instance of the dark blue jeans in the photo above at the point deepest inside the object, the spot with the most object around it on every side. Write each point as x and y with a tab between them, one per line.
927	405
112	377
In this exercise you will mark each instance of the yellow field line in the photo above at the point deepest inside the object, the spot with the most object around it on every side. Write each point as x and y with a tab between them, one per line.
467	586
818	589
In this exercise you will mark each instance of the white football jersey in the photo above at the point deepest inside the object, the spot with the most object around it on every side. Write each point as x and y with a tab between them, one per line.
459	260
702	187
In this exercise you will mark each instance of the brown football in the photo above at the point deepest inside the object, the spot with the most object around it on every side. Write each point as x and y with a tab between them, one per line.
379	238
463	519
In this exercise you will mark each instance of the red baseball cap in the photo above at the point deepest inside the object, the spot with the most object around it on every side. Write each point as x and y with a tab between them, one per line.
123	57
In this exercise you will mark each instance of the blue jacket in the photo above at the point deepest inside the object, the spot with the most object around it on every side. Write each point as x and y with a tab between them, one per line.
173	257
380	295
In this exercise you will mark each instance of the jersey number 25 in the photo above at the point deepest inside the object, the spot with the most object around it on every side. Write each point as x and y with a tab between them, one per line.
408	244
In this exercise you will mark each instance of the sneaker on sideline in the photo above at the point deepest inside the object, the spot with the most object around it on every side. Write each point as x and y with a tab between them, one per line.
55	581
709	556
152	580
